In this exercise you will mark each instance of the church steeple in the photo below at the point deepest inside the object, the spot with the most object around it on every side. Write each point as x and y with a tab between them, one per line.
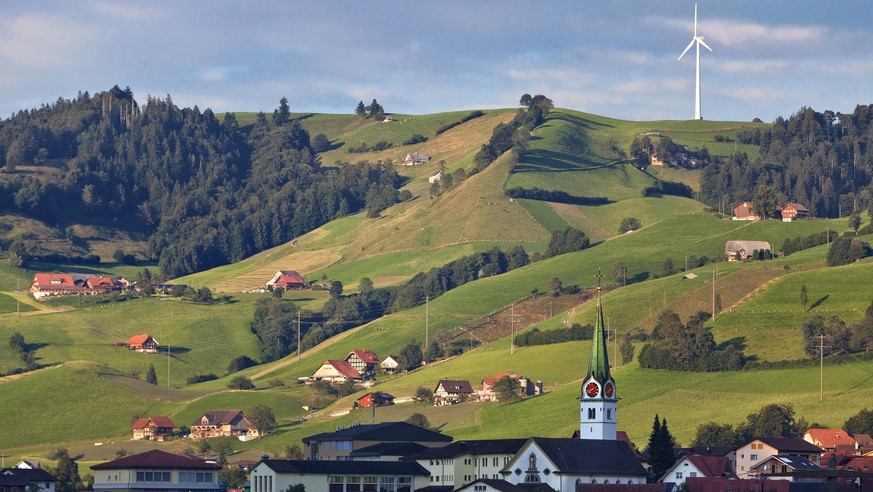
597	411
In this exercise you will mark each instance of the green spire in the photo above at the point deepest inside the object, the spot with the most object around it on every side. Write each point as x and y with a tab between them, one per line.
598	362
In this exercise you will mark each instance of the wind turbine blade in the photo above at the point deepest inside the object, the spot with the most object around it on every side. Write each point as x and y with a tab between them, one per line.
704	44
695	20
686	49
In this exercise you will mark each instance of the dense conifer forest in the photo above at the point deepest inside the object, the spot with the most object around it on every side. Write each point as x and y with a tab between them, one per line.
203	190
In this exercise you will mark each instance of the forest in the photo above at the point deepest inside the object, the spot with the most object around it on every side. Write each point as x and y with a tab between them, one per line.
822	160
200	188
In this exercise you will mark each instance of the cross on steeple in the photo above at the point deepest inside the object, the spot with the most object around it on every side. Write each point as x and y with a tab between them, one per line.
599	276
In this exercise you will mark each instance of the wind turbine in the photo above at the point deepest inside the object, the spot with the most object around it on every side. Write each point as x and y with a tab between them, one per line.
698	40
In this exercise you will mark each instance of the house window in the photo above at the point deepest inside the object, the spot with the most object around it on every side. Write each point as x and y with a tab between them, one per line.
591	413
678	475
753	457
495	461
335	484
371	484
692	474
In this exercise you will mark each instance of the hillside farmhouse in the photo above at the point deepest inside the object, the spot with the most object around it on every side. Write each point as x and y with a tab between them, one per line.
143	343
224	423
157	428
64	284
415	159
364	361
287	280
742	250
451	391
389	364
336	371
433	178
526	386
793	211
375	399
157	470
744	211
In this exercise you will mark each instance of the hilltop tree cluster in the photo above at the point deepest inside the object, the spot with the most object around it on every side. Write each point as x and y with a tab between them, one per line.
822	160
688	347
374	110
516	133
205	192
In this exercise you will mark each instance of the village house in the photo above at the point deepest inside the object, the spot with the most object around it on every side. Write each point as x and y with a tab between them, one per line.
336	371
526	386
774	467
415	159
743	250
224	423
364	361
157	470
375	399
338	476
793	211
718	484
462	462
451	391
755	451
390	364
62	284
26	479
695	465
286	280
437	176
157	428
744	211
828	439
143	343
338	445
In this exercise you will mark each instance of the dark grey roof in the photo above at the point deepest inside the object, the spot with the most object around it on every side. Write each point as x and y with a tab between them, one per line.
475	447
504	486
347	467
386	431
389	449
788	445
22	477
590	456
796	462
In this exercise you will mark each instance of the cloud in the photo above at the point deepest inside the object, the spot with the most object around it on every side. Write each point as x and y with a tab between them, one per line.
127	12
753	94
752	65
213	74
653	85
729	32
46	38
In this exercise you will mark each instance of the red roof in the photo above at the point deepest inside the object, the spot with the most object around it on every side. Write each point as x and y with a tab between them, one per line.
367	356
163	422
156	459
491	381
138	340
710	466
828	438
344	368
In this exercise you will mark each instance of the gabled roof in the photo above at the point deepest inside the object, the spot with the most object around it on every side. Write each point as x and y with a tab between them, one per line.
455	386
344	368
590	456
349	467
22	477
388	449
385	431
163	422
796	206
711	466
234	418
787	445
502	485
377	395
498	377
367	356
828	438
748	246
795	462
138	340
156	459
473	447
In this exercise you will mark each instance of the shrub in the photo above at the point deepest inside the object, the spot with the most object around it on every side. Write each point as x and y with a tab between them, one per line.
241	383
199	378
240	363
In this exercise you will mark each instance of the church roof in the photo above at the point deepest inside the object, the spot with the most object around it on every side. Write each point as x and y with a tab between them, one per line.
602	457
598	362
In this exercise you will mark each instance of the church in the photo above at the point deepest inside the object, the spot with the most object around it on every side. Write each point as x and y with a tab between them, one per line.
597	457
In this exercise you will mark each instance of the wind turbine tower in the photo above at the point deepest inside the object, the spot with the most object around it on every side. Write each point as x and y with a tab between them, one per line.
698	40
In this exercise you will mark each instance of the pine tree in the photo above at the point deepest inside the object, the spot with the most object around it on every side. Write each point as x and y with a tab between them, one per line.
361	110
661	445
151	377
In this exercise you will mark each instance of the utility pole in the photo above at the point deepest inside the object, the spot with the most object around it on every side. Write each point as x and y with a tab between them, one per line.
168	365
426	323
298	335
821	347
18	307
512	331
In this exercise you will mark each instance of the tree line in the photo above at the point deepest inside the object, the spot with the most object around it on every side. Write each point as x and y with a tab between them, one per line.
204	191
688	347
820	159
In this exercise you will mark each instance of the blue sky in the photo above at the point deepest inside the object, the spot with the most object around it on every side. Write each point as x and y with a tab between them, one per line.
615	58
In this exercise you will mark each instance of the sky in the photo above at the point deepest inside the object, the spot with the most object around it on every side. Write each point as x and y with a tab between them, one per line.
612	58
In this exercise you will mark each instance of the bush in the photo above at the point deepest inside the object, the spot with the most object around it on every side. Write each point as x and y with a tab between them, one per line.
320	143
415	139
241	383
240	363
199	378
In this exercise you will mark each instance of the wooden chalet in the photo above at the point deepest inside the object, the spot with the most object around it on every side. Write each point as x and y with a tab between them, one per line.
157	428
793	211
415	159
143	343
287	280
364	361
451	391
64	284
336	371
375	399
389	364
224	423
743	250
526	386
744	211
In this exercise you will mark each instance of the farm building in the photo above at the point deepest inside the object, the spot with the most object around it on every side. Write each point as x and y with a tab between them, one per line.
156	428
364	361
389	364
224	423
415	159
744	211
336	371
437	176
743	250
63	284
526	386
793	211
143	343
451	391
375	399
287	279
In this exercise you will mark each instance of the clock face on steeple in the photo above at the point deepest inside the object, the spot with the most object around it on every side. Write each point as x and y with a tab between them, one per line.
608	390
591	389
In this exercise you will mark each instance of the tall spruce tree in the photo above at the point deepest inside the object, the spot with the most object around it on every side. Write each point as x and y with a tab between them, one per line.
151	377
661	444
